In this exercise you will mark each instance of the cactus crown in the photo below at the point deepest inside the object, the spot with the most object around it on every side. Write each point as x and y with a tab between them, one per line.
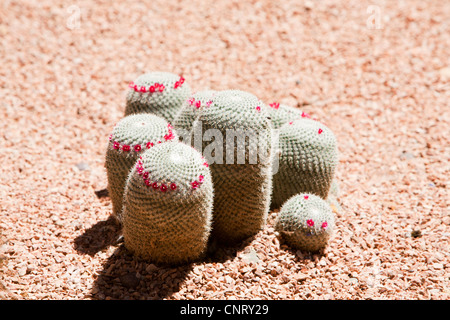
191	109
173	166
135	132
234	109
155	82
160	93
312	137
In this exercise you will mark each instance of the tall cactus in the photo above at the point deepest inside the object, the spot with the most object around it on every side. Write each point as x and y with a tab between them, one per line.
306	222
131	136
159	93
242	181
168	205
307	160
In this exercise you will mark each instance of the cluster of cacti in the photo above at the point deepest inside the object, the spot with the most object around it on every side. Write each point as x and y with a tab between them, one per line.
173	198
129	139
307	159
240	163
159	93
168	204
306	222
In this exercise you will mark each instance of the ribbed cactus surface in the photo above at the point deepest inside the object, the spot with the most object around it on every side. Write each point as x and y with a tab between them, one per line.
240	162
307	159
168	205
159	93
306	222
131	136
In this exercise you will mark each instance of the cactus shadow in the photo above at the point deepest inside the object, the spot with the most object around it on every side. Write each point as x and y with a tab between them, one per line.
220	252
127	277
98	237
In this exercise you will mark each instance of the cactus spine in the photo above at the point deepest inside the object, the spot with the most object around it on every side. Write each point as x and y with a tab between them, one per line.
159	93
168	205
306	222
130	137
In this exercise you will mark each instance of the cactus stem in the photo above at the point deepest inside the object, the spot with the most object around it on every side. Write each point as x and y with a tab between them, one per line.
138	147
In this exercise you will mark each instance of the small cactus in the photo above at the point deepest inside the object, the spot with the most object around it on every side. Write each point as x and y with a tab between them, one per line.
307	160
130	137
159	93
168	205
306	222
242	181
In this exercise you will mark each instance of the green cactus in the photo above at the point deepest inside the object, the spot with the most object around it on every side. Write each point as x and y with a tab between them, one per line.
307	159
281	114
191	108
242	181
159	93
168	205
131	136
305	222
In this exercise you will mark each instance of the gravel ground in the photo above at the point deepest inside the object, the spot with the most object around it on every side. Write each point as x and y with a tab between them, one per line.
376	72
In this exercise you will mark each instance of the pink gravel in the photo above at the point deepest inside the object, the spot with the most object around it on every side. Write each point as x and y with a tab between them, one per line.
376	72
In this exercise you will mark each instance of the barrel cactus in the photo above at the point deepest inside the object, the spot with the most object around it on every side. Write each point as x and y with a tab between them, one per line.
305	222
168	205
242	181
307	160
131	136
281	114
159	93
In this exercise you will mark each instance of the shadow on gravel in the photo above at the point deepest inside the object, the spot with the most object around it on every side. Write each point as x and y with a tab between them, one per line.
220	253
126	277
100	236
302	256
